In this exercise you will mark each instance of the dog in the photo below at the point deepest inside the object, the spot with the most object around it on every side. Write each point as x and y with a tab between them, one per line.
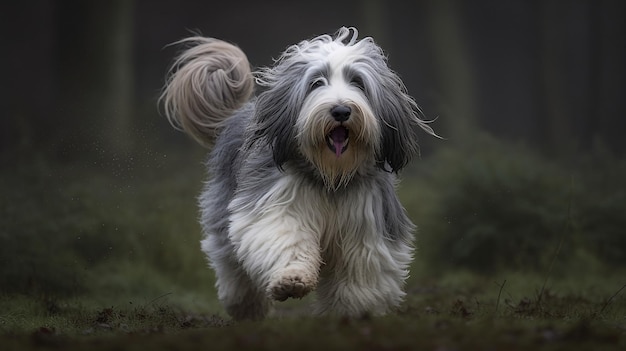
302	189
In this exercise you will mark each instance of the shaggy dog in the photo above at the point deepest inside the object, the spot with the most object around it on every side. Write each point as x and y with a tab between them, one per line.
301	196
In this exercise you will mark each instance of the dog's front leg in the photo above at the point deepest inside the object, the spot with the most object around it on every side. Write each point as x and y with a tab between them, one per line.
366	260
364	278
277	248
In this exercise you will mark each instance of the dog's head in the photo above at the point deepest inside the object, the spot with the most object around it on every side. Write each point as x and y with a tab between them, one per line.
334	101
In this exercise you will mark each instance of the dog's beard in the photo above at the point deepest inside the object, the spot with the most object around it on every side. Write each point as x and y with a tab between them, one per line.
338	150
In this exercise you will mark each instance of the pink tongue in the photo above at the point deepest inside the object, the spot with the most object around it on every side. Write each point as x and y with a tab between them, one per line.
338	135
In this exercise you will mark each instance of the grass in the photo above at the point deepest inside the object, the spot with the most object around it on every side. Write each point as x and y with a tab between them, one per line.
103	255
459	311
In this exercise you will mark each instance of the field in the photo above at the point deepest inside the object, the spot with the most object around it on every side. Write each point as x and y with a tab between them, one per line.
457	313
103	255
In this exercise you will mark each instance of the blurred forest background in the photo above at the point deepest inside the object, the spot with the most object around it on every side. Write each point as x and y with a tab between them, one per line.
97	191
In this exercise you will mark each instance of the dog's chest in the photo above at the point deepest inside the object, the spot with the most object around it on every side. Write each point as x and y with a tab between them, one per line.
339	216
294	205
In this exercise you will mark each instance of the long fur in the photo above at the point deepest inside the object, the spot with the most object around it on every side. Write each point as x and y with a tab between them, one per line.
299	199
206	84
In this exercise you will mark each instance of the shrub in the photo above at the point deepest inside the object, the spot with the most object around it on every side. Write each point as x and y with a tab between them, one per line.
602	203
493	205
61	228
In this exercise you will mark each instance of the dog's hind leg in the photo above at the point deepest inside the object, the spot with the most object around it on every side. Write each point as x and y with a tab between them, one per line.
237	293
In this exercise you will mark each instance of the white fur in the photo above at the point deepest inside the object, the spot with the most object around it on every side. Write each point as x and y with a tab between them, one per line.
288	209
298	231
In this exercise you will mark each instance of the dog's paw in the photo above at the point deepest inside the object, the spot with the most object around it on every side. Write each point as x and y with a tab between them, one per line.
291	284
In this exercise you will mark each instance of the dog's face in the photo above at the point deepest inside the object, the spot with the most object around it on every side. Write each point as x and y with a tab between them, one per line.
336	128
334	102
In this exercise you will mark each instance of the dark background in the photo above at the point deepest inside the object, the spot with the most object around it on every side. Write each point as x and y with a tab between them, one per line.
80	77
97	191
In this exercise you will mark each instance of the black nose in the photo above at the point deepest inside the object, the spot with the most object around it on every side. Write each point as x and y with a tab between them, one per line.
341	113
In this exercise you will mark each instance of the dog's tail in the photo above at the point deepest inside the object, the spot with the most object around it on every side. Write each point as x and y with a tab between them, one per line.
205	85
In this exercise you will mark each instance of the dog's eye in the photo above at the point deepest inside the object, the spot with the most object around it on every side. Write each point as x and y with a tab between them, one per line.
319	82
358	82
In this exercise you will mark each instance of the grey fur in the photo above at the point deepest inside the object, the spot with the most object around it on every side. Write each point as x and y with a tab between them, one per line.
206	84
363	235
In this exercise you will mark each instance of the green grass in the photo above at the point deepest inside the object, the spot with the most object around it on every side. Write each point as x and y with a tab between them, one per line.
104	255
457	311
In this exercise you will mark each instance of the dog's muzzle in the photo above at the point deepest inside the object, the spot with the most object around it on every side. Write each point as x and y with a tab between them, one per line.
341	113
337	140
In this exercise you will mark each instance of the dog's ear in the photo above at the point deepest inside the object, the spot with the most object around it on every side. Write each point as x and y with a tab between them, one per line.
399	135
399	122
277	110
398	114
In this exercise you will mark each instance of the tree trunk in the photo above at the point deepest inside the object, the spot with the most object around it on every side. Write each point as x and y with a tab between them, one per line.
454	68
96	76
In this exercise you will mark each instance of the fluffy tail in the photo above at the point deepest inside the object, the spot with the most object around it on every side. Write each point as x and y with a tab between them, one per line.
205	85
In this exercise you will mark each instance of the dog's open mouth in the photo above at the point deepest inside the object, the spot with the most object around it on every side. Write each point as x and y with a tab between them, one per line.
337	140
